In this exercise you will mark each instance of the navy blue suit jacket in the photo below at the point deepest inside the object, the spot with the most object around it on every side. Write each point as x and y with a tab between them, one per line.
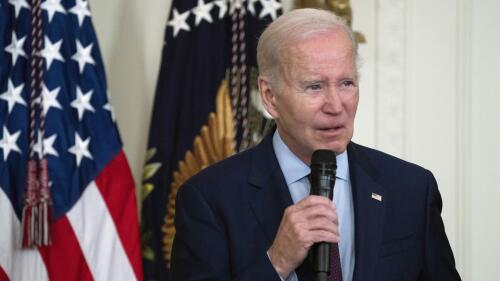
228	214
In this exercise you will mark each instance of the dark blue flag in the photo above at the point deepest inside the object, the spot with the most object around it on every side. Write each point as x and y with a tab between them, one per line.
205	107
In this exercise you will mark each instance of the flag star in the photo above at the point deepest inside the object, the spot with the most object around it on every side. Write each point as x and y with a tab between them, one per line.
51	51
251	6
8	142
109	108
80	149
269	7
13	95
235	5
82	102
53	6
178	22
18	5
16	48
48	146
83	55
49	99
80	9
202	12
222	4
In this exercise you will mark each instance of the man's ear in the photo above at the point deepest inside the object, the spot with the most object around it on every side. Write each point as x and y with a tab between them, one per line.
268	96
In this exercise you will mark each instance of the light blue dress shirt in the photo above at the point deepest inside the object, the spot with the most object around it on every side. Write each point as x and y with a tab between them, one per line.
296	172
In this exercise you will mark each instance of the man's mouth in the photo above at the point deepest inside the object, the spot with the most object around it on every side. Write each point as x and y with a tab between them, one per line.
331	129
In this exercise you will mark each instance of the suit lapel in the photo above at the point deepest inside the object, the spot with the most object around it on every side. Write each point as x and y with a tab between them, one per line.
269	195
368	212
268	192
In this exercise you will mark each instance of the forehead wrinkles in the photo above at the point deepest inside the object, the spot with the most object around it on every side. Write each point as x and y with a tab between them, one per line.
303	58
294	59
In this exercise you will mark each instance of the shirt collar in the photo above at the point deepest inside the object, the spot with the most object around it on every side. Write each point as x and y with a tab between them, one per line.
294	169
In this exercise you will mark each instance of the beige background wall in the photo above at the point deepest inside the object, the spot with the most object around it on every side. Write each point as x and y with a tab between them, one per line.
430	94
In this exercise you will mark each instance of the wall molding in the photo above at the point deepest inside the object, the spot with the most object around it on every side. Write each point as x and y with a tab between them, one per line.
390	76
463	139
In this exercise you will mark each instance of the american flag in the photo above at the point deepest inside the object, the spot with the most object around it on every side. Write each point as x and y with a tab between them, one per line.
94	226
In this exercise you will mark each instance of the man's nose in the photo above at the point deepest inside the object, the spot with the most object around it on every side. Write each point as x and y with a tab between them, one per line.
332	102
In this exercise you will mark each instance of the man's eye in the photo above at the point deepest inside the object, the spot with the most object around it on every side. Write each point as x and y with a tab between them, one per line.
314	87
347	83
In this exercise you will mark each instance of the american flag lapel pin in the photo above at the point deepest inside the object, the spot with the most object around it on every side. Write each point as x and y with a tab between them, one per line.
377	197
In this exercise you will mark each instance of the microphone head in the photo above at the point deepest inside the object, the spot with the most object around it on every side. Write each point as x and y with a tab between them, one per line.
323	171
324	157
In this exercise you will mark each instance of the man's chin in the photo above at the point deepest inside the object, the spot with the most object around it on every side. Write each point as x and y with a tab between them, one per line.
338	148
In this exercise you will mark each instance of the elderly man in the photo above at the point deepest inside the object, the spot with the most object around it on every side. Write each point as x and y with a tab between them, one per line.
251	217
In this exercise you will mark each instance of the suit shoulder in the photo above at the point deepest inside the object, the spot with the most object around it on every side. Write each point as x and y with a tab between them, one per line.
221	174
401	179
235	164
390	163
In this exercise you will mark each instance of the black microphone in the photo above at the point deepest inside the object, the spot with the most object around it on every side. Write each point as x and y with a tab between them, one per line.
322	179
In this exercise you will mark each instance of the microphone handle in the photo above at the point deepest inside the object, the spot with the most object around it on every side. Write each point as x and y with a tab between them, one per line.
321	276
321	261
323	186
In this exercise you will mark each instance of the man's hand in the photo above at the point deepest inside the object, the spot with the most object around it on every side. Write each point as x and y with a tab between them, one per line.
311	220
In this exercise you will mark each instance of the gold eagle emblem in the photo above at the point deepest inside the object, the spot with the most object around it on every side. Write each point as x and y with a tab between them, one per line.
214	143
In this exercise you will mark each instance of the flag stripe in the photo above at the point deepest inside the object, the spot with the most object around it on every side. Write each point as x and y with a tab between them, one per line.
3	275
99	241
64	259
119	191
9	220
16	263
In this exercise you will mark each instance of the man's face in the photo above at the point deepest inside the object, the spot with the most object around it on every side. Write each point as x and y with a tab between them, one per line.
315	104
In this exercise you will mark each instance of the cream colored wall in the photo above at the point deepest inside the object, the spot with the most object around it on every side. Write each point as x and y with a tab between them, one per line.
429	94
130	34
482	223
431	88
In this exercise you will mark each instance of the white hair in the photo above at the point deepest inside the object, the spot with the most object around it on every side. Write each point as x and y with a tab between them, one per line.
289	28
